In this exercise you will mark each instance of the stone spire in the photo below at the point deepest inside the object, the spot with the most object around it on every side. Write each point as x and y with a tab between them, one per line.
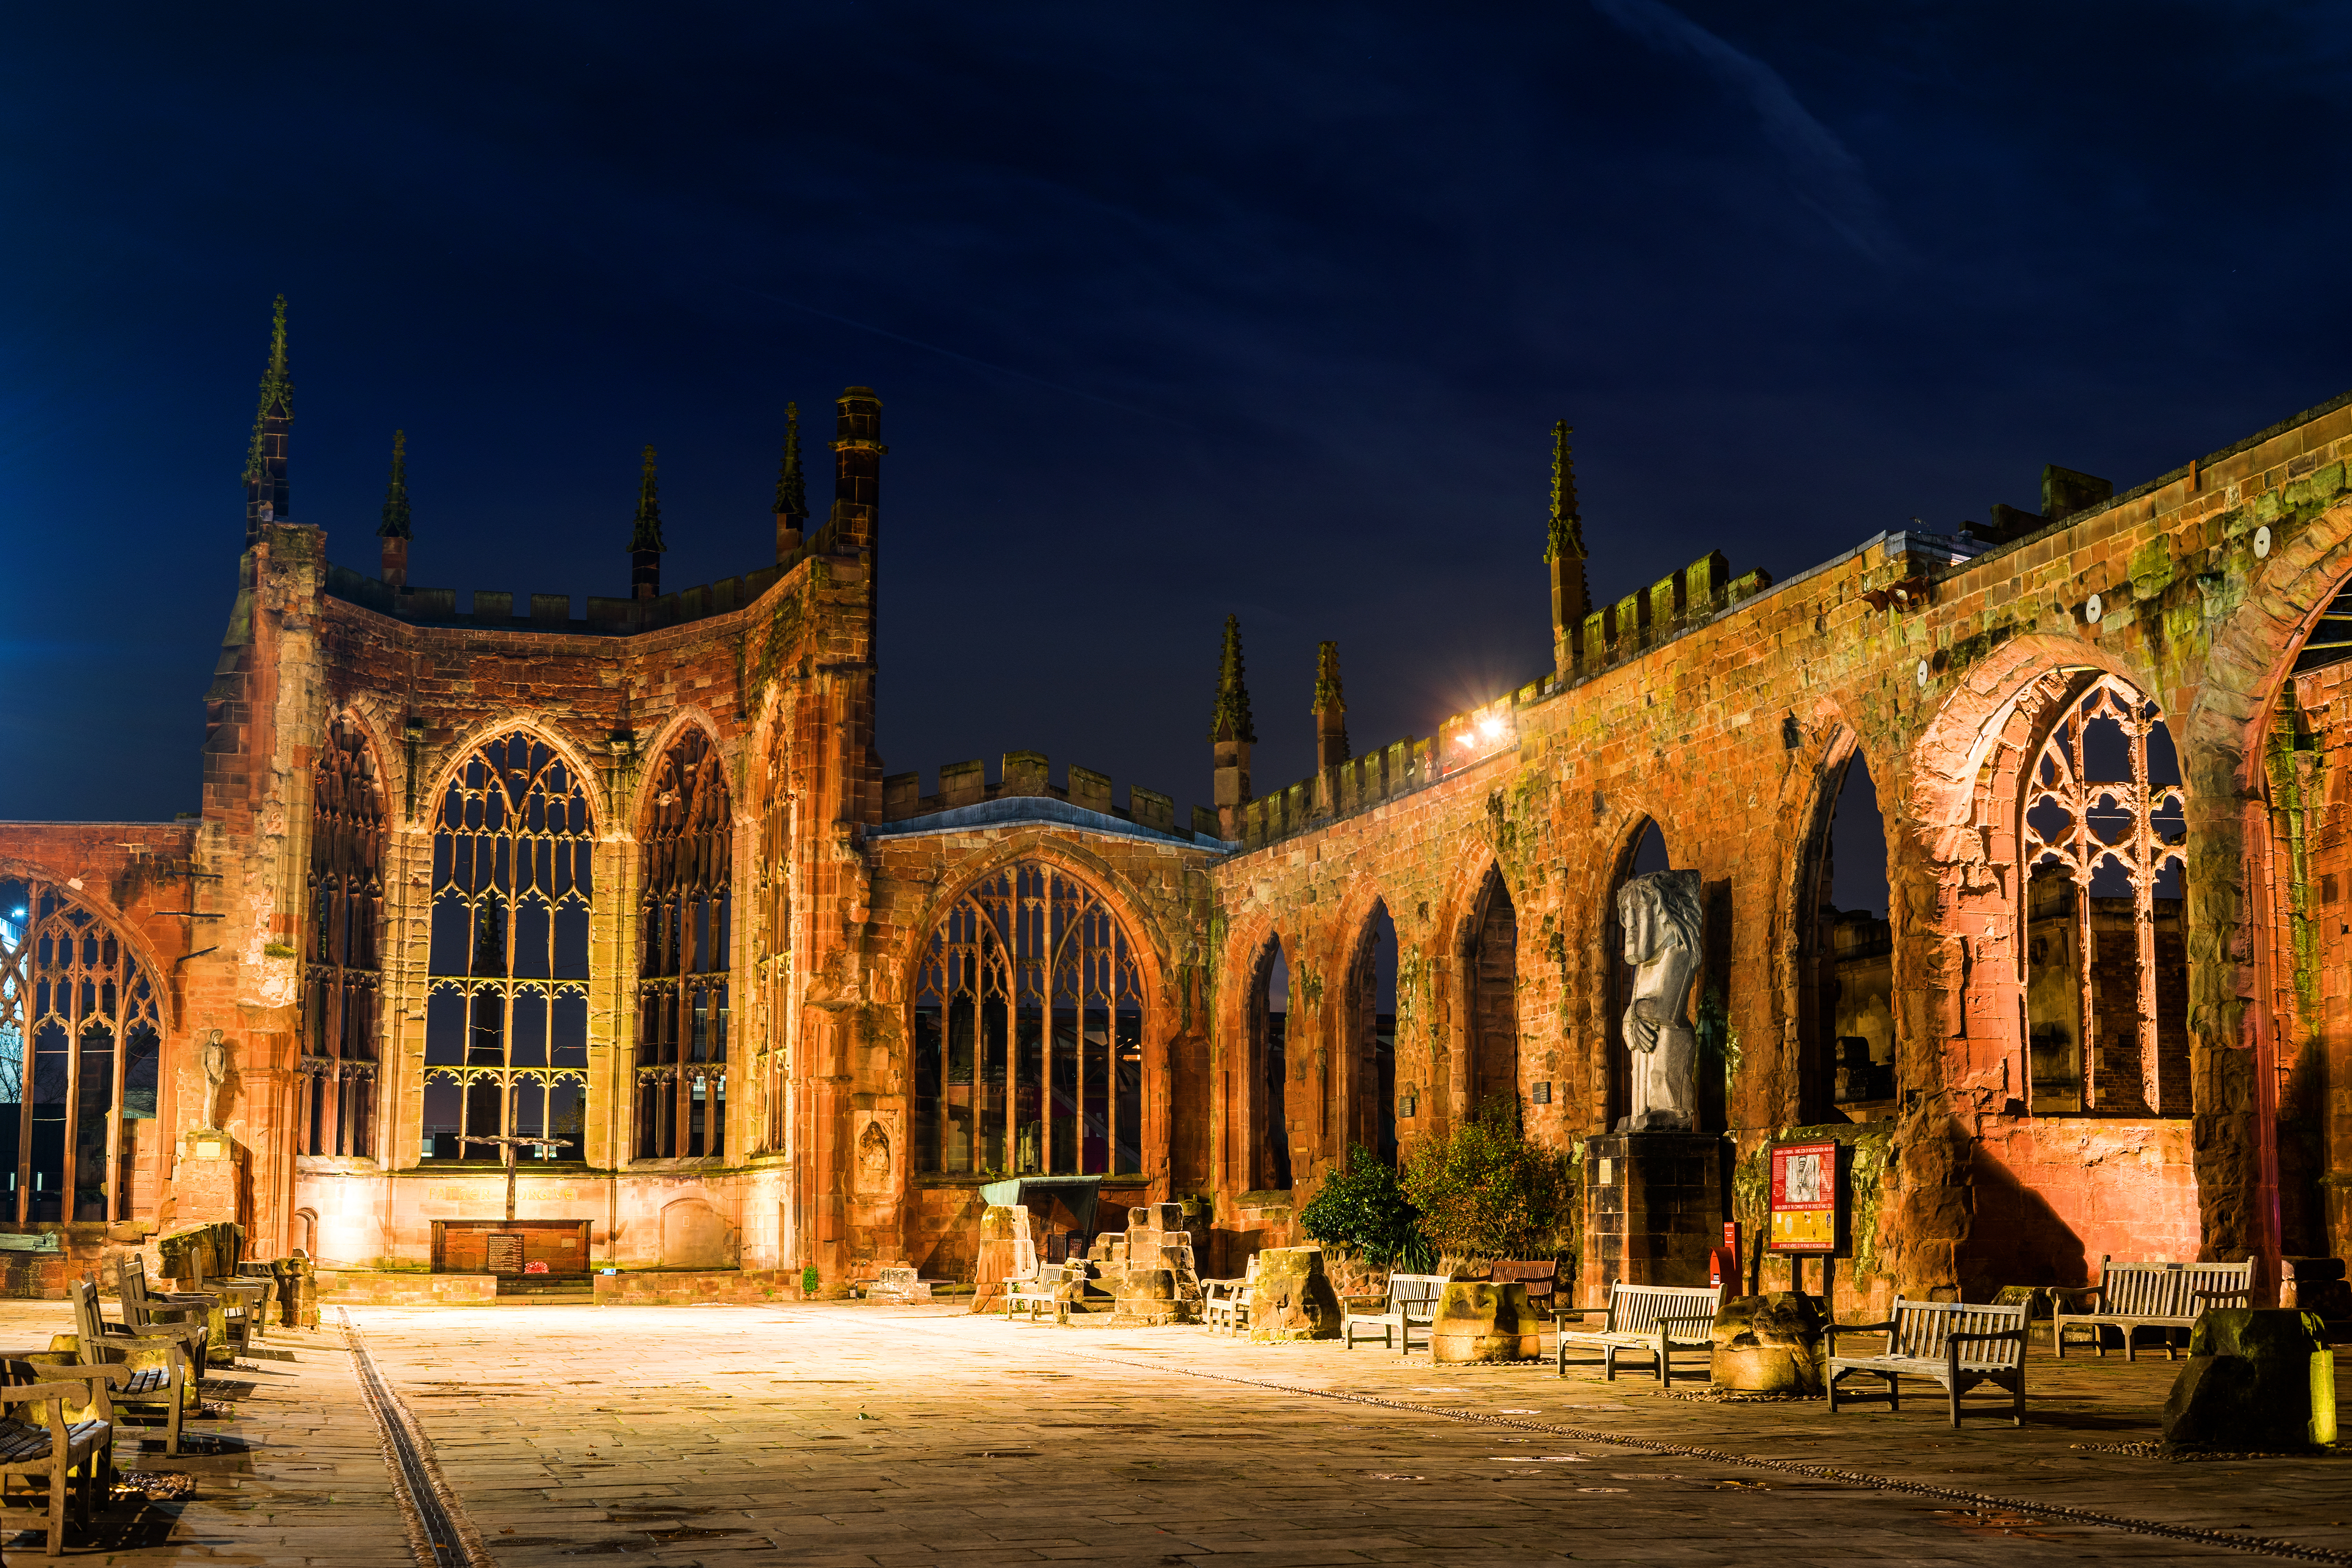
1231	734
1330	709
393	529
265	459
791	488
1571	597
646	546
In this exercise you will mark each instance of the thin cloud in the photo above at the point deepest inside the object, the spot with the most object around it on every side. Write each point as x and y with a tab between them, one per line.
1828	178
965	358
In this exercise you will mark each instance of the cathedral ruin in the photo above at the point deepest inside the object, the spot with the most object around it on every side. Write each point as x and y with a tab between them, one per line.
622	892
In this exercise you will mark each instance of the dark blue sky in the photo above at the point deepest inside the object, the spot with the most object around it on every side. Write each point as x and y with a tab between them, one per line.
1175	310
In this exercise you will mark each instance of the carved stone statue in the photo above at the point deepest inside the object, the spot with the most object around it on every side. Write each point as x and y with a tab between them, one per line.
1659	915
215	1070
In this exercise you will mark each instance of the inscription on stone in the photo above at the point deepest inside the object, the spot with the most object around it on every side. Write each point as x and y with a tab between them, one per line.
505	1254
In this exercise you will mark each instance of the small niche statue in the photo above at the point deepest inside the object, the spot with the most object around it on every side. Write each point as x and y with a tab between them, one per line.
216	1063
1659	915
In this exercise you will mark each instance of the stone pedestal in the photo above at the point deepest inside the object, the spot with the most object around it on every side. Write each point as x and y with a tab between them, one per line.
1006	1252
297	1291
1480	1320
208	1181
1768	1344
1293	1299
1653	1207
2258	1378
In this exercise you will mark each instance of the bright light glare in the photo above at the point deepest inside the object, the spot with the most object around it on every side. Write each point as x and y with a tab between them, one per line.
1492	727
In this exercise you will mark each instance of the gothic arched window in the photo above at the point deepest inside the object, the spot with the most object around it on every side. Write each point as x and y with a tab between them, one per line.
1028	1022
2105	833
343	973
682	996
81	1034
506	1016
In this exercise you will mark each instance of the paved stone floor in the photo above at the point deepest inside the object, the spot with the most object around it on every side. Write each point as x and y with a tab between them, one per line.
868	1434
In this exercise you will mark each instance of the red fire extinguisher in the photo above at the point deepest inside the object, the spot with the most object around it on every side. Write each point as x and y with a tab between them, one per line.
1722	1262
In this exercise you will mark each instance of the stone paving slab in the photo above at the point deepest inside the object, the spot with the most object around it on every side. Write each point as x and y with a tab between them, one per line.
857	1433
298	1477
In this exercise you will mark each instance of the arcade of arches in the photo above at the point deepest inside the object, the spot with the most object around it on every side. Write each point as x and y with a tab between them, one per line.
2024	861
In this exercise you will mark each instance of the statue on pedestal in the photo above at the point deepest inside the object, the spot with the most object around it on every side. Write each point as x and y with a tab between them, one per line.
1660	914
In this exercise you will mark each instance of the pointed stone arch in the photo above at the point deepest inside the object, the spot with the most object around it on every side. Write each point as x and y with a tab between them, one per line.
82	1027
686	948
344	924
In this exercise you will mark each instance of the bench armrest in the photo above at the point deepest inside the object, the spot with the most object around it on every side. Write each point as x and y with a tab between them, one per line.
1832	1330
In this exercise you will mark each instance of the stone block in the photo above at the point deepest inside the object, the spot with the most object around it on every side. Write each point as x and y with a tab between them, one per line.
1480	1320
1090	789
1007	1251
1770	1344
962	784
1293	1299
2257	1378
1151	808
1023	775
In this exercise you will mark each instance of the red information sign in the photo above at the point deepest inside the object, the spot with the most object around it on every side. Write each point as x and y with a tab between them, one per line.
1804	1197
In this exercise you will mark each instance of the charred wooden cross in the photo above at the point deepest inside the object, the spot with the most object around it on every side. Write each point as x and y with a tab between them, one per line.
507	1144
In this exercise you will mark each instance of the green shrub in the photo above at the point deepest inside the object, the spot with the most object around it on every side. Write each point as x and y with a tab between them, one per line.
1487	1193
1360	1207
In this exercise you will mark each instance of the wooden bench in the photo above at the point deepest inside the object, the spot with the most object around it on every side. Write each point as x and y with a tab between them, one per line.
49	1440
156	1365
1411	1304
1956	1343
1033	1295
1225	1304
2168	1296
1658	1318
148	1311
1541	1278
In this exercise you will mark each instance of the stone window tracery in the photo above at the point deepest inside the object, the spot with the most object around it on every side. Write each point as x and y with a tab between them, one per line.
684	956
2103	835
336	1110
506	1015
1028	1020
81	1037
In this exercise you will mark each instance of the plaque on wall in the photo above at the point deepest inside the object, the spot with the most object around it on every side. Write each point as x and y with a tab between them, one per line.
1807	1209
505	1254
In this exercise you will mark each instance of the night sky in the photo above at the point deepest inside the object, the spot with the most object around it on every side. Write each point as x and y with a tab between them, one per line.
1175	310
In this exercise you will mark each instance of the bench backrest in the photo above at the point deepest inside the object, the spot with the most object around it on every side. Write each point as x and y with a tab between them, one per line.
2170	1289
130	1285
1415	1293
1539	1278
1924	1330
1636	1309
87	1323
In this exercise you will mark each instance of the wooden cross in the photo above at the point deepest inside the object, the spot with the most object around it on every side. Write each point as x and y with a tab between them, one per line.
507	1144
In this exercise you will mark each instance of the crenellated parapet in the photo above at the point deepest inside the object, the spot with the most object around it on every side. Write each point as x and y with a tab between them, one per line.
1027	775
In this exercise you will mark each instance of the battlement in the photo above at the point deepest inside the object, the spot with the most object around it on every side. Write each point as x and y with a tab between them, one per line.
495	609
1617	634
553	612
1027	774
1639	622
